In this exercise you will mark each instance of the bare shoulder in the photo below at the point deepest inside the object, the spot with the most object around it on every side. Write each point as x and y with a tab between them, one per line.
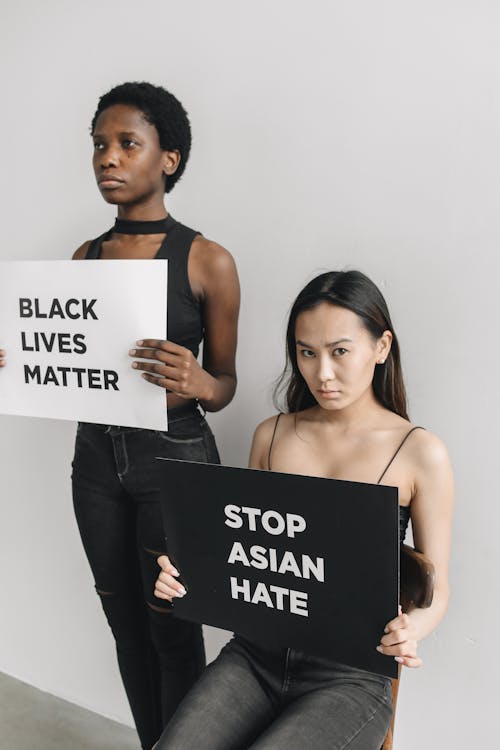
433	493
81	252
211	256
281	422
212	273
264	431
429	457
428	451
262	438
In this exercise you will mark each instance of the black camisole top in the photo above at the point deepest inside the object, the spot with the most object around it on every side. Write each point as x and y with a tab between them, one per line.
184	319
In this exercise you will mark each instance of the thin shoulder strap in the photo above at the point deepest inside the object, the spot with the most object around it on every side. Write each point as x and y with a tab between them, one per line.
397	451
272	441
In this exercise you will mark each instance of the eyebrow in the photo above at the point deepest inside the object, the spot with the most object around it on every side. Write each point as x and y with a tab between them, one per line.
331	343
124	134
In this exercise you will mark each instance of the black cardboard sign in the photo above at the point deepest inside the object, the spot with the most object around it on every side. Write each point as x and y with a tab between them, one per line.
285	560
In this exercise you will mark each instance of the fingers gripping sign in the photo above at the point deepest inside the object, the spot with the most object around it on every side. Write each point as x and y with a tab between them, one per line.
400	642
3	361
173	367
167	587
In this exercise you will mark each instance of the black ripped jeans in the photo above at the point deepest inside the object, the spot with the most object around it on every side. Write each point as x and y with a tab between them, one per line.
115	495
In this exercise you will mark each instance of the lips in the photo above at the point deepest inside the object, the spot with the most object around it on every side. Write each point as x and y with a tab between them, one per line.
109	181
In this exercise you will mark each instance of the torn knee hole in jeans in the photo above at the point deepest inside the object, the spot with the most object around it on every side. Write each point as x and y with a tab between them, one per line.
104	593
162	610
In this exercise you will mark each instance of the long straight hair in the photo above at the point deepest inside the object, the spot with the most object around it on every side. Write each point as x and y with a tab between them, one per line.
356	292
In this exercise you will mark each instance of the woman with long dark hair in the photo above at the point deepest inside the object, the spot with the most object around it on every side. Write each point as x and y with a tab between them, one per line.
142	137
346	418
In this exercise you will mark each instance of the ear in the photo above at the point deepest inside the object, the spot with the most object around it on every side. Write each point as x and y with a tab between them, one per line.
171	161
383	347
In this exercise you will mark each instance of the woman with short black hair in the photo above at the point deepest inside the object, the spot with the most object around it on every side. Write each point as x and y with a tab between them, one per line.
142	137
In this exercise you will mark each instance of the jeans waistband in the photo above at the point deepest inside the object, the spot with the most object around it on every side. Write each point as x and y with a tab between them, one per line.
192	408
175	414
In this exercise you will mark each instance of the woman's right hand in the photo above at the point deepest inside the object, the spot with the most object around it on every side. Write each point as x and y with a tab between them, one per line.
3	361
166	586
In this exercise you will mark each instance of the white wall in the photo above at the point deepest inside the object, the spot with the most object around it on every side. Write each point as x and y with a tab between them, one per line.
326	134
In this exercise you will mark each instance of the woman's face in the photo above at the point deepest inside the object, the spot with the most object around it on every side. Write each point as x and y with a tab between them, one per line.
336	355
128	162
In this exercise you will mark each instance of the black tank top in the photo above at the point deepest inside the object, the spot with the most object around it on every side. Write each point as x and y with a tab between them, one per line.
404	510
184	321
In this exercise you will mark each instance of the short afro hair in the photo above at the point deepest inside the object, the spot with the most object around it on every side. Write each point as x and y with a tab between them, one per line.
161	109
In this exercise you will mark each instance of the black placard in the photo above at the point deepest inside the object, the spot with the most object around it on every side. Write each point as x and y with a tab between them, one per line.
327	589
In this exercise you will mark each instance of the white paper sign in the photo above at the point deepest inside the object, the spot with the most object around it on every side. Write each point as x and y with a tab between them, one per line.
67	327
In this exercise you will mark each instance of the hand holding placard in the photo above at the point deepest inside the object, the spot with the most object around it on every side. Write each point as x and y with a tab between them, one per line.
401	641
166	587
175	368
3	355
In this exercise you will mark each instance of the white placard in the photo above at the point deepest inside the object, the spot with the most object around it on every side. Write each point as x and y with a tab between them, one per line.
67	327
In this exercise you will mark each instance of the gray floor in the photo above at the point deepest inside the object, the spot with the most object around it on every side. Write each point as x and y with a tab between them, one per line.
33	720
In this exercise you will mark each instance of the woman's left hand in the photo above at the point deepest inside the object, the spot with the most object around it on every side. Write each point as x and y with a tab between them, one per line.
400	641
175	368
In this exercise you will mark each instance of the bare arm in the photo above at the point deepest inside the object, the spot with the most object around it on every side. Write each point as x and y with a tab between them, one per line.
176	368
221	309
431	513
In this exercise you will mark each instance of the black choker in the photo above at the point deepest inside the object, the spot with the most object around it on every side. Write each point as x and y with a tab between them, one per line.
161	226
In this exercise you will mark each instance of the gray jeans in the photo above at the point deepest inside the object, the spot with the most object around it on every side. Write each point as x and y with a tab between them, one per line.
254	697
